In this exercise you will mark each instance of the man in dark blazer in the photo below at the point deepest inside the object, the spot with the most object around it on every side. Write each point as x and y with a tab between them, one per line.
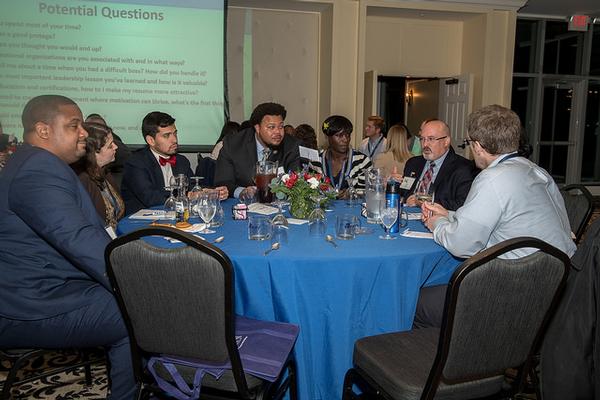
237	159
450	174
54	292
149	169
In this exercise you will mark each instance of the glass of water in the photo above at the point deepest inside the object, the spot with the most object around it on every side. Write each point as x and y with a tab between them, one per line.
388	216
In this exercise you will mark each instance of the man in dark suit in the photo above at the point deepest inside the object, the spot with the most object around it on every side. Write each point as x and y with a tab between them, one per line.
439	169
149	169
240	152
54	292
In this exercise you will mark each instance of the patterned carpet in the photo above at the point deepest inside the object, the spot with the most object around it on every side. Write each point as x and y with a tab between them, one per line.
64	386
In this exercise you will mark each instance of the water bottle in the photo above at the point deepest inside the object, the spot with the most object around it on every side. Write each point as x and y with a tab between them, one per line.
392	199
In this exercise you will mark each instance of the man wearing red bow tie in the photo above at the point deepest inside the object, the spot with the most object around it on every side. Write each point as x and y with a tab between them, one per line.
149	170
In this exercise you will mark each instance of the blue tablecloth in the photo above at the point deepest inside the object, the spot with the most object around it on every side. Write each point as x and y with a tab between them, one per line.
365	286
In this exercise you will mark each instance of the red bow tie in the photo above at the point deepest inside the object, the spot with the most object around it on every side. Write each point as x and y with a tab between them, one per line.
171	160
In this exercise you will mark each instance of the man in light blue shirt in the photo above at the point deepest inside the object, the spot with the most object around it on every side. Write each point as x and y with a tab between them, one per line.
511	197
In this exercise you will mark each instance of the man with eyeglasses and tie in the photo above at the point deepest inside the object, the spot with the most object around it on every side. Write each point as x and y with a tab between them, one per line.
438	171
148	171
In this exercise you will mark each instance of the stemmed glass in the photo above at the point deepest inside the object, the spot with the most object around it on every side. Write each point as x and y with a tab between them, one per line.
388	216
352	198
421	193
206	206
279	223
170	204
317	221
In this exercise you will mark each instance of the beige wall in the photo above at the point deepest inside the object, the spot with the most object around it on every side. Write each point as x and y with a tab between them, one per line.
424	104
402	46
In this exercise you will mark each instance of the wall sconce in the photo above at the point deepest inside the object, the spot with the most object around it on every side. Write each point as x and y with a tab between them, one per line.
409	97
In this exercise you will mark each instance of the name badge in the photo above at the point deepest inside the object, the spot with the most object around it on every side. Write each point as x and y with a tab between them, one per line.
407	182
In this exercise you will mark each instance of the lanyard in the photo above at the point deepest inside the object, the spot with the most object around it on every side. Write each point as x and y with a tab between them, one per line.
508	157
343	173
371	152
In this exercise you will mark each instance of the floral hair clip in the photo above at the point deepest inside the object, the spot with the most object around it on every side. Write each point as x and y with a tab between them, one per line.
325	126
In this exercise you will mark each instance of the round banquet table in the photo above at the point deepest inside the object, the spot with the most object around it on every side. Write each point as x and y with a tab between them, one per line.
365	286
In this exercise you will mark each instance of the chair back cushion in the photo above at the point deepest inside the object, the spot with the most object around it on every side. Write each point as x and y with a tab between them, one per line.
500	306
175	299
578	203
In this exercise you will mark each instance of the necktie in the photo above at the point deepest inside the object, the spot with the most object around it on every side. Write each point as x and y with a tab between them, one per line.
426	182
171	160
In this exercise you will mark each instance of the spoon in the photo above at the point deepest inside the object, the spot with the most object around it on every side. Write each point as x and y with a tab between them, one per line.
219	239
274	246
329	238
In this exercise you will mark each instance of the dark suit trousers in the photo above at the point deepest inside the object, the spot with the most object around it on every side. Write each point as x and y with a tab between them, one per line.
430	307
98	324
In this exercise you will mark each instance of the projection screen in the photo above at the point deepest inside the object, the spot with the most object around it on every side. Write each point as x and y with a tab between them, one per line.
120	59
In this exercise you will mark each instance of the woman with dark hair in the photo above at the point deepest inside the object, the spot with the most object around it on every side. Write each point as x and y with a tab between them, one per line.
307	136
340	162
229	128
100	151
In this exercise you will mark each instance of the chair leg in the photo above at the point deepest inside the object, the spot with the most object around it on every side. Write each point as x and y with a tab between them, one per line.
347	392
293	380
85	356
12	374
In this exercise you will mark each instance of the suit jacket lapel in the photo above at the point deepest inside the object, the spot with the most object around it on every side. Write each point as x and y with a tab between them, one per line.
445	168
155	169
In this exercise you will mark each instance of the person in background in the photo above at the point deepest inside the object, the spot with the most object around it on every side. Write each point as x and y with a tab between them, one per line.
439	169
340	162
289	130
123	152
8	145
92	170
396	153
307	136
374	142
265	139
54	292
149	170
229	128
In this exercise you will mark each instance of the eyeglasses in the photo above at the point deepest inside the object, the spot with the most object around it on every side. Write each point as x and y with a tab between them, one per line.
431	139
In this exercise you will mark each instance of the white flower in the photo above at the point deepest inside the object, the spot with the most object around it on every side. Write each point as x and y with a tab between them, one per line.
313	182
285	177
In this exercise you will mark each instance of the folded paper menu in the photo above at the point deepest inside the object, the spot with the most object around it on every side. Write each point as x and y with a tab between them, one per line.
260	208
148	214
419	235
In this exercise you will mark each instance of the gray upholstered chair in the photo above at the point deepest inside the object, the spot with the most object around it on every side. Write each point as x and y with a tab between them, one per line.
579	204
496	312
180	302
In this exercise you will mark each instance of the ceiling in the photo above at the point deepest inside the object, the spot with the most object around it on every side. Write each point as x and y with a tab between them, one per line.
561	8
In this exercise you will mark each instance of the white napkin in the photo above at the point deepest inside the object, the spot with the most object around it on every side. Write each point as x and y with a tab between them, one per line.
148	214
419	235
412	216
263	209
296	221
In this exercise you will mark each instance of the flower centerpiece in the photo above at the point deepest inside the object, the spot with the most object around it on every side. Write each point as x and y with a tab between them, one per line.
301	189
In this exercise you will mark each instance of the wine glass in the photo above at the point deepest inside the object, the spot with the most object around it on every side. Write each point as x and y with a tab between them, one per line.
388	216
422	192
352	194
170	205
317	221
279	218
206	206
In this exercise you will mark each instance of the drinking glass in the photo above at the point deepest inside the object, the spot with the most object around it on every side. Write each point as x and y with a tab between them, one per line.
317	221
352	198
206	205
421	193
180	181
346	226
259	227
219	217
170	204
279	218
402	217
265	172
388	216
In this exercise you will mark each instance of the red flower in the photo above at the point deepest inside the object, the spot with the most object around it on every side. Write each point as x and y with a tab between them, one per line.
327	180
306	176
324	186
318	176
